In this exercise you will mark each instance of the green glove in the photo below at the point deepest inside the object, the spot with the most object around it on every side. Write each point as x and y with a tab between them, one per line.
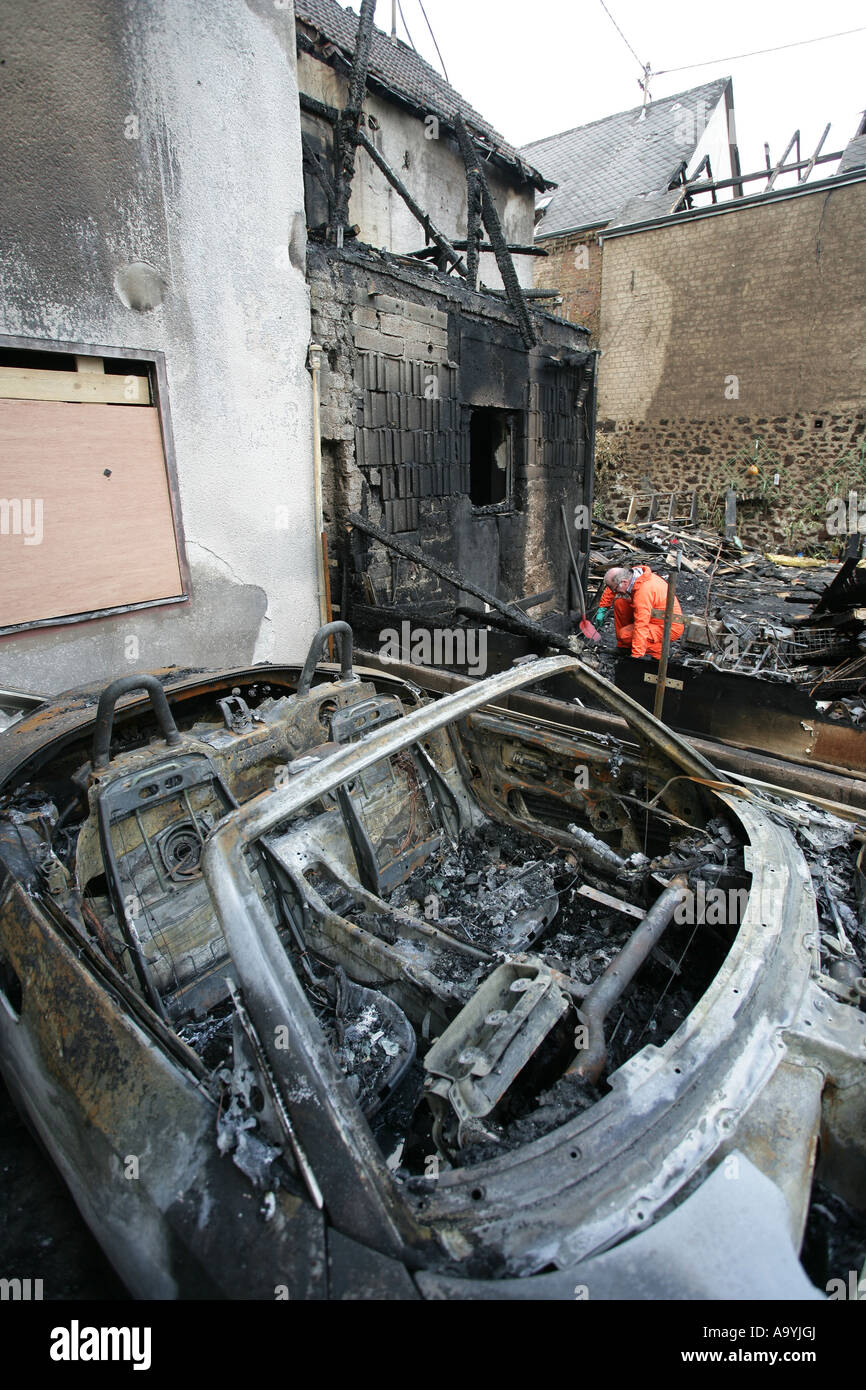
601	616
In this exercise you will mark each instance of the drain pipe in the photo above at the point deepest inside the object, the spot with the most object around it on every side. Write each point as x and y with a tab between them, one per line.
609	987
315	365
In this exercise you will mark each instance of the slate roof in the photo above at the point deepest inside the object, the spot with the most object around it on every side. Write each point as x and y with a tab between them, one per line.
854	156
602	166
399	70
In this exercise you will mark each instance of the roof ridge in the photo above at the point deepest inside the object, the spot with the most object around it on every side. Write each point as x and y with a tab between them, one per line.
675	96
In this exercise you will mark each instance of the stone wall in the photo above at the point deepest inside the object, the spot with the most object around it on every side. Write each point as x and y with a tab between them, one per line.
815	457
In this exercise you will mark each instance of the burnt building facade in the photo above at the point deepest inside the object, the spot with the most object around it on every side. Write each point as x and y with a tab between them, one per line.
454	414
442	427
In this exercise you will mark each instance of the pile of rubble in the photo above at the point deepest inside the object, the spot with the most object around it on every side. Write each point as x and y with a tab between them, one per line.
782	618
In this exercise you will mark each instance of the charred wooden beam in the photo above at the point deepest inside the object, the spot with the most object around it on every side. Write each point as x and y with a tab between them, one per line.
349	123
432	232
534	600
494	231
314	107
312	162
518	623
512	249
530	294
473	227
485	246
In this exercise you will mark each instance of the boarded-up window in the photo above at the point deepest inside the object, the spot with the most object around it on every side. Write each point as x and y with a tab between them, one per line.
86	517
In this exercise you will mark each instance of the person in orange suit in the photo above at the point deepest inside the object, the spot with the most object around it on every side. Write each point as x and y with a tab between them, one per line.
638	599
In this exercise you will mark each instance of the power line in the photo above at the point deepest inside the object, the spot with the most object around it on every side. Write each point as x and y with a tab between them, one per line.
622	35
734	57
406	26
435	44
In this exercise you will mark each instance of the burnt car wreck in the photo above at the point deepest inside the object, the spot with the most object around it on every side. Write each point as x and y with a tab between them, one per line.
314	987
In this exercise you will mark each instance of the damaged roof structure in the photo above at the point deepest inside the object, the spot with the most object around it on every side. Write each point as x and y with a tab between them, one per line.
629	165
329	32
605	171
455	412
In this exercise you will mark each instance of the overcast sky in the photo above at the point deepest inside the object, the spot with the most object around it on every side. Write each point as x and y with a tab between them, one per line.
535	67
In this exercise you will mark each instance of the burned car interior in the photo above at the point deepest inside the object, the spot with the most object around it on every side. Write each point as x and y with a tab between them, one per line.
427	964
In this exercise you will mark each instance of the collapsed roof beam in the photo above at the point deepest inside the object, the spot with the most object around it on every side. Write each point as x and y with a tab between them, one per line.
349	123
529	294
801	178
430	231
512	249
762	173
794	140
490	216
428	251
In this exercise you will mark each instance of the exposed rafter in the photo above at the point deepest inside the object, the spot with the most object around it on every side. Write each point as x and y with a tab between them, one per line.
490	217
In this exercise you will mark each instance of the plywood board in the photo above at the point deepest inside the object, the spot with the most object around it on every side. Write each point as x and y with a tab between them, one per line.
74	539
90	383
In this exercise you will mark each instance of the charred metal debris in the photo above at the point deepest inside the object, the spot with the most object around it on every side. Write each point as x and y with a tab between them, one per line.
374	981
748	609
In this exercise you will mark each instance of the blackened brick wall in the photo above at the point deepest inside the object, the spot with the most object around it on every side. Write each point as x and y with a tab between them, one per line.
408	355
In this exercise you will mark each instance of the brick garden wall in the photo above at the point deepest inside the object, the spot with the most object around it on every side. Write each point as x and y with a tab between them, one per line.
737	337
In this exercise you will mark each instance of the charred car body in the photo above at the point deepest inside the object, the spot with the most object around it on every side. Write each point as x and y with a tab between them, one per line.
315	988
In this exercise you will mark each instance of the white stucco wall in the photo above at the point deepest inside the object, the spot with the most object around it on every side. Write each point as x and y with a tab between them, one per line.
434	174
205	185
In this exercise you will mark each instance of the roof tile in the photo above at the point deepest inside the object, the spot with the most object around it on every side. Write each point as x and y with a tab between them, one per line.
400	69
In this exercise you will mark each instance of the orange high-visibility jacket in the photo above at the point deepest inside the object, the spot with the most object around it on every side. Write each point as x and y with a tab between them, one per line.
642	608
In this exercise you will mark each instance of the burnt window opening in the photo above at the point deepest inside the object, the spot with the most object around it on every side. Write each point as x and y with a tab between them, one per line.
491	457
